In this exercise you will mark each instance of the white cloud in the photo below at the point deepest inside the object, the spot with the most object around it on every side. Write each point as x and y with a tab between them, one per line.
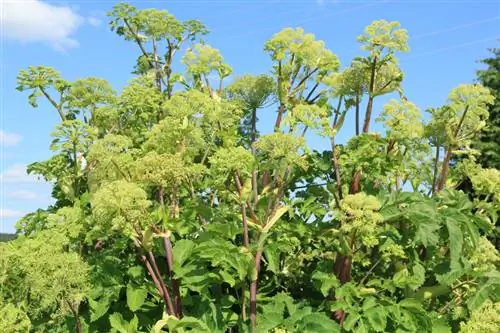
16	173
9	139
9	213
31	21
94	21
23	195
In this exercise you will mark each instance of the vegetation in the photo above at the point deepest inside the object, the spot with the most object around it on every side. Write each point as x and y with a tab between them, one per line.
6	237
174	213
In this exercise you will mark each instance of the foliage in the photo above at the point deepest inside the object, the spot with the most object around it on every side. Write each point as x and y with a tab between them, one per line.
174	214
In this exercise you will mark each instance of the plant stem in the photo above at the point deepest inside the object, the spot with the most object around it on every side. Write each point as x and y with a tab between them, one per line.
78	325
336	167
449	152
246	241
434	179
58	108
357	114
253	292
164	288
253	138
167	244
151	272
369	106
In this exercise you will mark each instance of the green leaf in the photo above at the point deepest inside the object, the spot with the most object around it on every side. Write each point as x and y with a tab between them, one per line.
377	317
273	219
325	282
181	250
456	239
418	277
98	308
118	323
269	320
440	325
351	320
187	322
135	297
318	323
272	255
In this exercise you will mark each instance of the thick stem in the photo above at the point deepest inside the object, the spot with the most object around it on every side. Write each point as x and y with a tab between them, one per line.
54	104
78	325
174	203
164	288
355	187
167	244
369	106
449	152
75	170
444	169
357	114
139	43
246	240
279	118
157	284
168	67
304	79
253	138
243	304
253	292
436	162
336	168
157	68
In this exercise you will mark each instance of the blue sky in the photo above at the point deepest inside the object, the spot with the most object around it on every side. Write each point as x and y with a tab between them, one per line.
447	38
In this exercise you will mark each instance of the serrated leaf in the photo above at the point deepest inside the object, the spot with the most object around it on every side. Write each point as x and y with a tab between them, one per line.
377	317
272	255
268	320
318	323
351	320
135	297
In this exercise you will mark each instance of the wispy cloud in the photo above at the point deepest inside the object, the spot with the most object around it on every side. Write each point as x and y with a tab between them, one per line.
22	195
8	139
94	21
10	213
35	21
16	173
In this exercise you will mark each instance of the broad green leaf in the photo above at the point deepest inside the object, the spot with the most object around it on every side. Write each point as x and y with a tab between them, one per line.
456	239
274	218
318	323
181	250
325	282
440	325
118	323
98	308
377	317
135	297
351	321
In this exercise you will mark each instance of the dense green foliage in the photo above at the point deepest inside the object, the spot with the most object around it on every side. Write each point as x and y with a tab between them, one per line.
174	213
488	140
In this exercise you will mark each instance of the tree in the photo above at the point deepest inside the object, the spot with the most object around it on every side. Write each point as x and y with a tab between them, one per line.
488	140
175	214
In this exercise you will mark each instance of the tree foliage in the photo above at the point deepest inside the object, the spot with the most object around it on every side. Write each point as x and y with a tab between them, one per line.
174	214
